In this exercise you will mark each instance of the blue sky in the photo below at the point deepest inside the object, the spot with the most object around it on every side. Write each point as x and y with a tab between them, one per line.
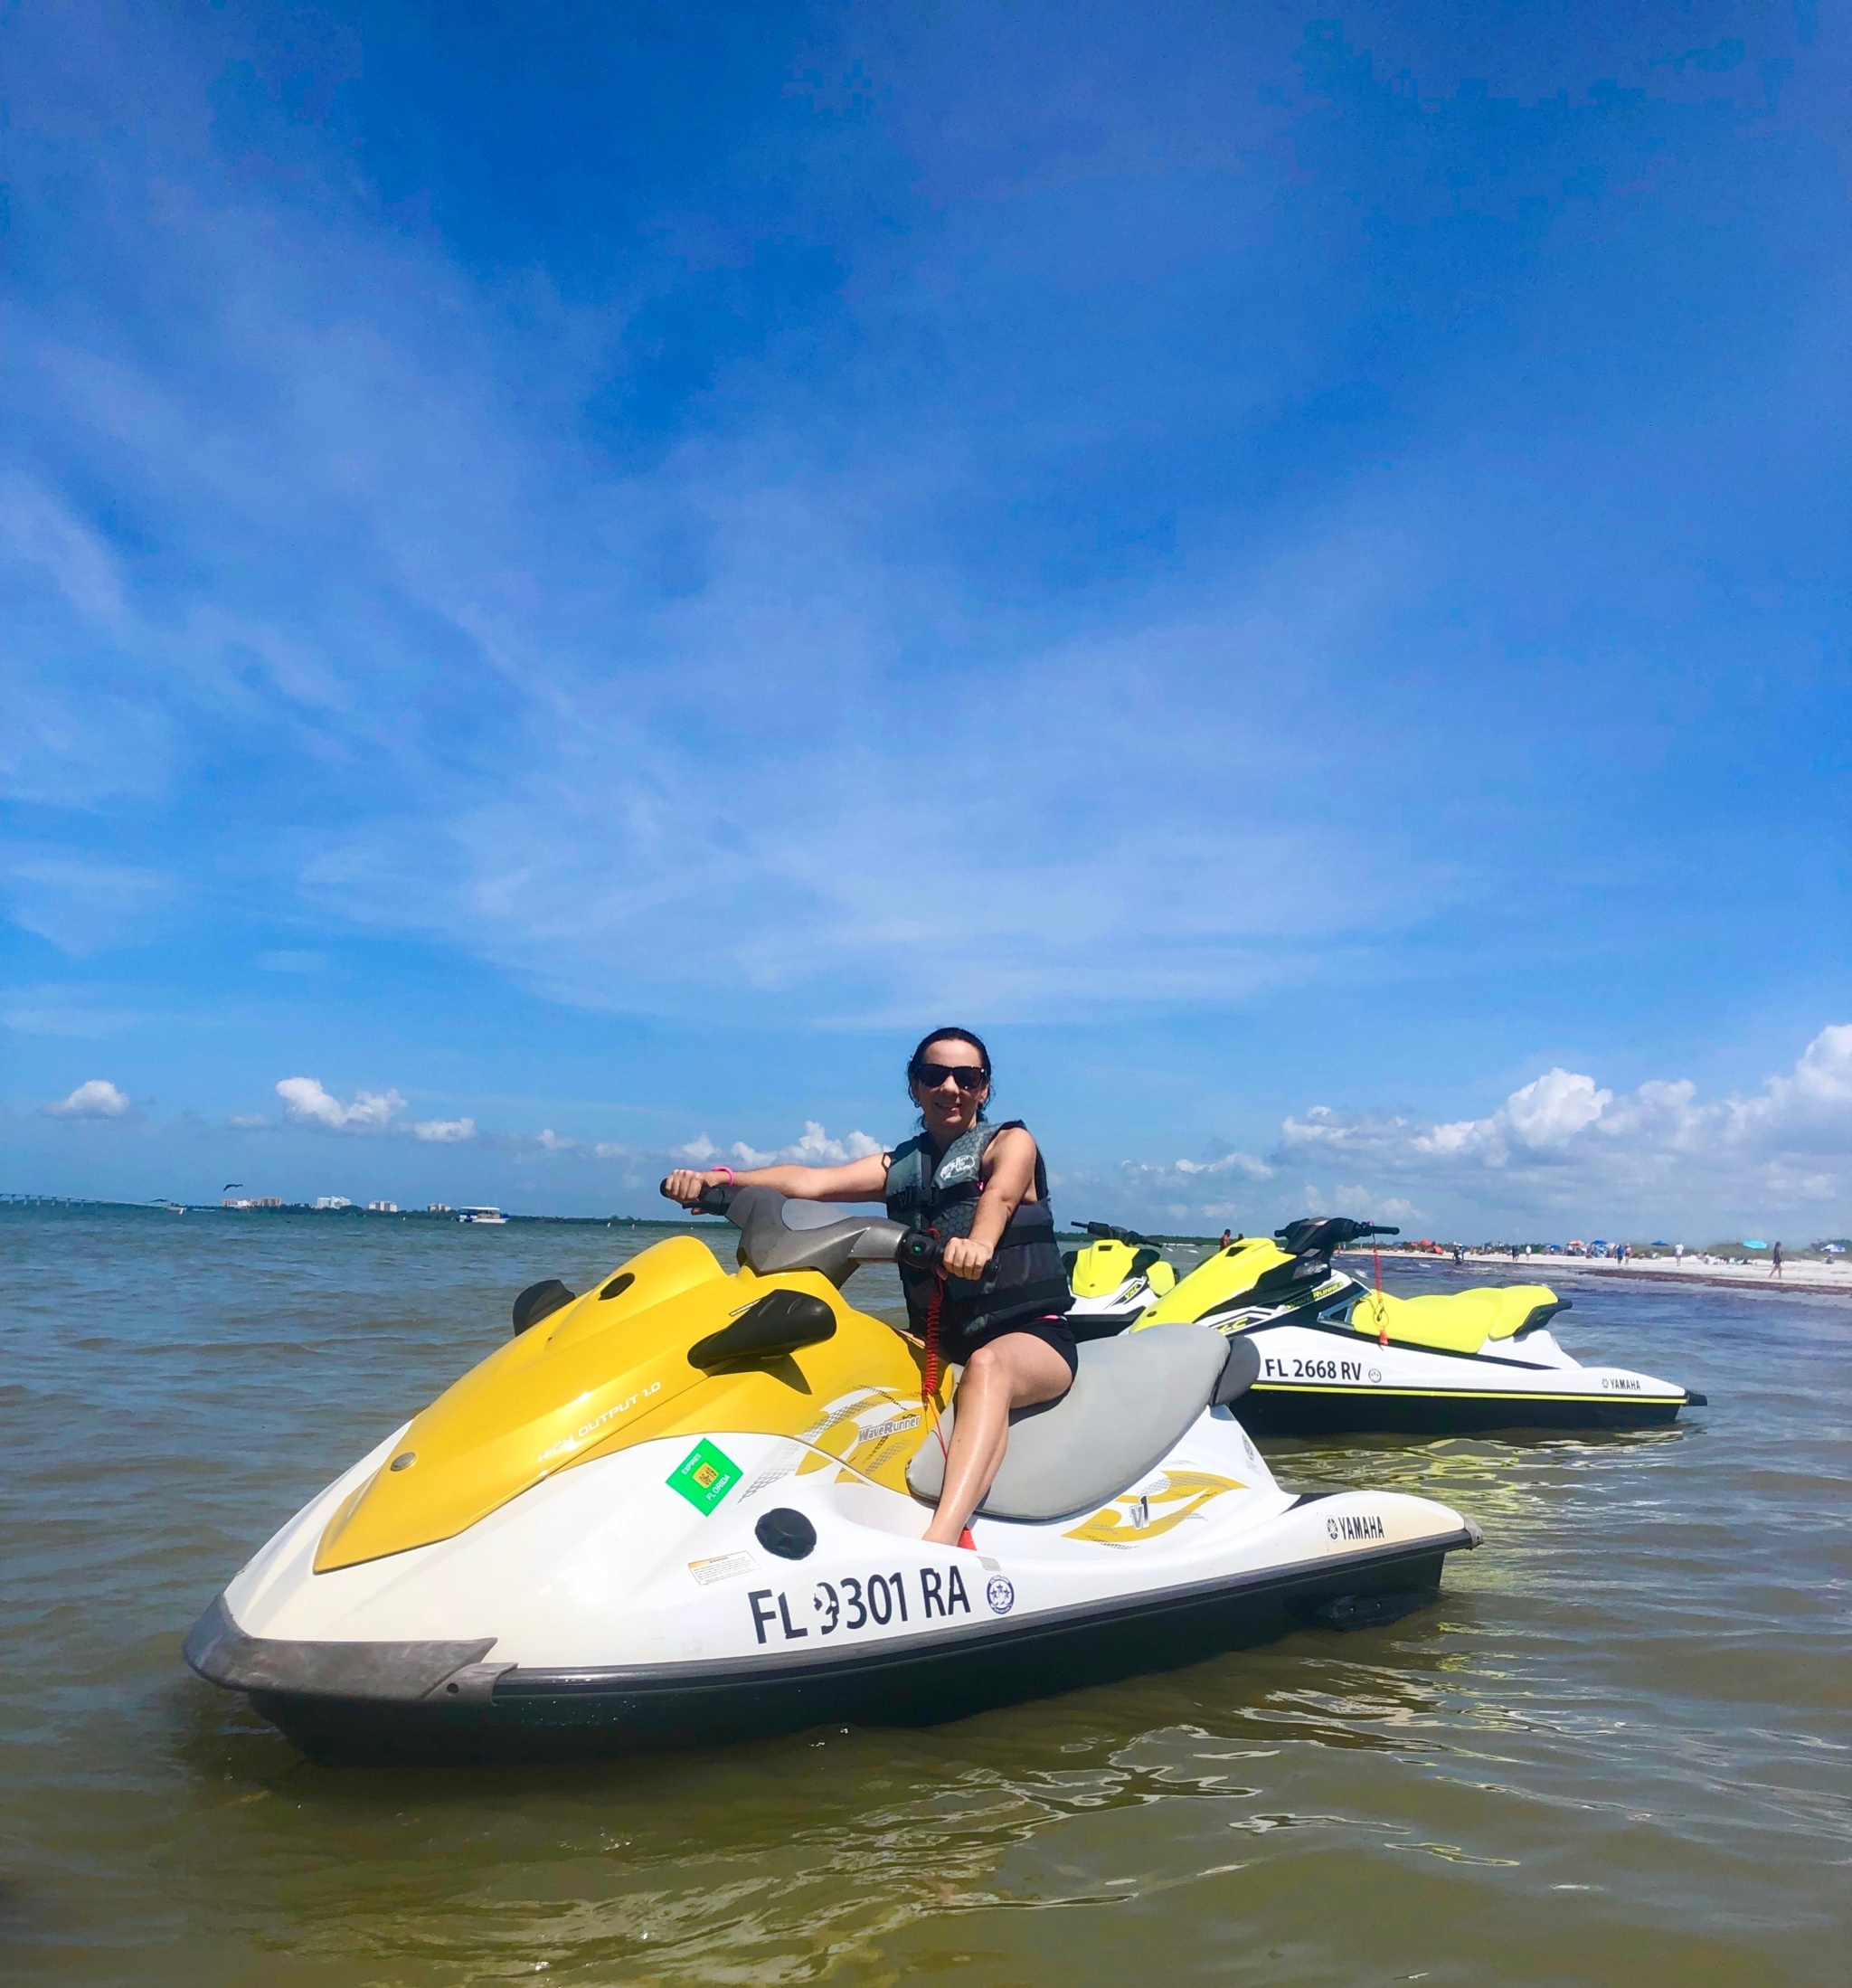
584	577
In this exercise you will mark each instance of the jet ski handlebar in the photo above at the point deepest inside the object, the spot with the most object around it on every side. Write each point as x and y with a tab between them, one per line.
780	1234
712	1200
919	1249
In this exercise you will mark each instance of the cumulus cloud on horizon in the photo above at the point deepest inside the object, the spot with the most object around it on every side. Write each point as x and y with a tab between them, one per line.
307	1101
1560	1146
444	1132
815	1148
96	1098
1562	1151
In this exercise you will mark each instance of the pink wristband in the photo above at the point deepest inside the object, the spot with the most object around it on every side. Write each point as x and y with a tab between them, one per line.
728	1172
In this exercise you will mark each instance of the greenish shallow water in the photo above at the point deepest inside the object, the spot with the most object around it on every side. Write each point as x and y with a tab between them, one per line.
1620	1748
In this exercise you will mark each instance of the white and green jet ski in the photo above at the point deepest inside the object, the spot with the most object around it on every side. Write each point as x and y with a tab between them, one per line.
1334	1356
685	1505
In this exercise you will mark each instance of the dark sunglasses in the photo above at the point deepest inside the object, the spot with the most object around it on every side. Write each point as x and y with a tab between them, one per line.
968	1076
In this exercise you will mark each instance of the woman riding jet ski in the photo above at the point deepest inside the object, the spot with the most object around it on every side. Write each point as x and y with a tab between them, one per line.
686	1505
1336	1355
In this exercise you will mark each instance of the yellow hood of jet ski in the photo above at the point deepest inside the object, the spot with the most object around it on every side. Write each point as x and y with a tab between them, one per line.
1225	1275
1101	1267
608	1370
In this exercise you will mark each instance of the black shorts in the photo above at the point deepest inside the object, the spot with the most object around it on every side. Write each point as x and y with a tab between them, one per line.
1051	1330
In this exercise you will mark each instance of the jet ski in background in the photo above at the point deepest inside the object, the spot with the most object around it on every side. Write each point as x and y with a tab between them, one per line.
1335	1355
686	1505
1116	1278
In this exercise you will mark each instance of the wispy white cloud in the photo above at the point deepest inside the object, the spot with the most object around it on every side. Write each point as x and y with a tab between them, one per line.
96	1098
64	1010
689	783
38	530
83	904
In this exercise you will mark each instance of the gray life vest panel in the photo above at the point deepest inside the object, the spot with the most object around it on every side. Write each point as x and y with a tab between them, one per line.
1025	1279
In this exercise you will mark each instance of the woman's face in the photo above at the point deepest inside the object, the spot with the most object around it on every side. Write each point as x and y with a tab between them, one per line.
949	1110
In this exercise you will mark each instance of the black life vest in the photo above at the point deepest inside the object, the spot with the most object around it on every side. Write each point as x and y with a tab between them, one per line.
1025	1279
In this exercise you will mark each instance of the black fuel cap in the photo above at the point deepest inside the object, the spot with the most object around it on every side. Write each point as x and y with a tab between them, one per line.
786	1533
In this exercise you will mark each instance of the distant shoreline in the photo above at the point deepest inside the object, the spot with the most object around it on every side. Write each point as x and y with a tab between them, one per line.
1808	1276
1812	1278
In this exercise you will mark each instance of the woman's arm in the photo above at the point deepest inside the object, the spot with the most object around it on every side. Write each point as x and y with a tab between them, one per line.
1009	1168
860	1180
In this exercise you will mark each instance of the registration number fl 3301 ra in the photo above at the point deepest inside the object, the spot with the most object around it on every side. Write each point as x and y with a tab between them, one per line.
868	1601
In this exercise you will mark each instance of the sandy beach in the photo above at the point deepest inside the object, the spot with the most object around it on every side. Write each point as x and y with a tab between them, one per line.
1807	1275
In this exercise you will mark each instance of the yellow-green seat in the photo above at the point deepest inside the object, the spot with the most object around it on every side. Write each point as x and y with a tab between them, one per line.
1459	1323
1102	1266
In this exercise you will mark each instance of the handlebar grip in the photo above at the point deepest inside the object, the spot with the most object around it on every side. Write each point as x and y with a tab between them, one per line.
713	1200
918	1250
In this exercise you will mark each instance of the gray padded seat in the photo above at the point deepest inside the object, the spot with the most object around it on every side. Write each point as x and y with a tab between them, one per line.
1131	1400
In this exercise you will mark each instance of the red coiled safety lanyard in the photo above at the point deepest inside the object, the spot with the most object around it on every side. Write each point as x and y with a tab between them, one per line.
1382	1318
929	1390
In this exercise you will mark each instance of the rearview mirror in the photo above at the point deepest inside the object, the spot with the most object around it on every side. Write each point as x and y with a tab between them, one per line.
781	1322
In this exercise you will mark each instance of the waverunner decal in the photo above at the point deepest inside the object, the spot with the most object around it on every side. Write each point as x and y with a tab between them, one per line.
877	1448
1195	1489
854	1603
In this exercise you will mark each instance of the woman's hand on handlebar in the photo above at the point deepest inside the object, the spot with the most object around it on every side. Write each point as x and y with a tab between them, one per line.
686	1184
965	1258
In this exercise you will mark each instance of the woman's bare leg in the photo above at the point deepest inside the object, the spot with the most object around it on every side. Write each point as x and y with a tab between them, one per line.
1014	1370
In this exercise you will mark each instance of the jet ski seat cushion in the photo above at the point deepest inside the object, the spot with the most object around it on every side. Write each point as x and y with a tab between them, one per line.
1461	1322
1132	1397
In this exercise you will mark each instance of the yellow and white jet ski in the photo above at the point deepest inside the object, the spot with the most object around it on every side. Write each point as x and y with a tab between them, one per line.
1115	1280
1334	1356
686	1505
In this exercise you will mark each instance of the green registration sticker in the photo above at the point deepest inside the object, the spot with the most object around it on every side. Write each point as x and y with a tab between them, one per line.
705	1476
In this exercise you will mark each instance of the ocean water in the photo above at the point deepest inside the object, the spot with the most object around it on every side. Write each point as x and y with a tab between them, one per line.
1619	1749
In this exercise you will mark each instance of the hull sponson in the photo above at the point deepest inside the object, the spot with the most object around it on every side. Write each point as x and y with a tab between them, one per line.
535	1713
1275	1410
